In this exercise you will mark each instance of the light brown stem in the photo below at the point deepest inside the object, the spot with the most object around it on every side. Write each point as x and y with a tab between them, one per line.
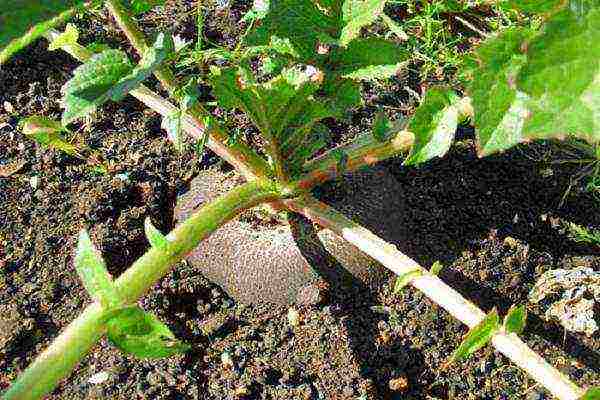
437	291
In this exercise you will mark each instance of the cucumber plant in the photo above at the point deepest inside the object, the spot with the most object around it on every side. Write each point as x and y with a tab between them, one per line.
524	84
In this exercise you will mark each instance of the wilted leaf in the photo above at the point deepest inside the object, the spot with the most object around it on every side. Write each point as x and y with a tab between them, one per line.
93	273
24	21
478	336
405	279
515	320
434	125
47	133
68	37
154	236
141	334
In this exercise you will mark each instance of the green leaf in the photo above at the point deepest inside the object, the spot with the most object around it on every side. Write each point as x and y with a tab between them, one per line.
369	59
155	237
514	322
284	101
190	95
357	14
93	273
92	83
172	124
109	76
394	27
48	133
434	126
24	21
477	337
141	334
66	38
381	127
142	6
405	279
498	111
301	22
436	268
532	6
591	394
562	75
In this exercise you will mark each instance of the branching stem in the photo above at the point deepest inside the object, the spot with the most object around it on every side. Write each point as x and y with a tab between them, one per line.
58	360
437	291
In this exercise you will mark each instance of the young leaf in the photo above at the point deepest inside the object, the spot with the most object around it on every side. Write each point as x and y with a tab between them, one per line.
155	237
66	38
299	21
434	125
591	394
514	321
141	334
477	337
47	133
172	124
356	14
92	272
369	59
404	279
436	268
92	83
24	21
109	76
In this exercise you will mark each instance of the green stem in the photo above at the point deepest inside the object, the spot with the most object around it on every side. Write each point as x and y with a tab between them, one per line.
58	360
138	40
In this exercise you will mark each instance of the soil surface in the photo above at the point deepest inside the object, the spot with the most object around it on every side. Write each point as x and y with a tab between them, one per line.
355	343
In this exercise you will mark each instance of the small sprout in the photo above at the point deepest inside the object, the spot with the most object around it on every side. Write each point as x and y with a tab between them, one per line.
155	237
404	279
293	317
591	394
514	322
226	360
47	133
477	337
171	123
93	273
141	334
67	38
436	268
399	384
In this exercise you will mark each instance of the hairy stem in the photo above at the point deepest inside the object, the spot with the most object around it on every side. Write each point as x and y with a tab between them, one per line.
436	290
57	361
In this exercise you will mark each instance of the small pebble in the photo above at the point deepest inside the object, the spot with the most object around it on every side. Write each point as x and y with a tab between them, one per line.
226	360
293	317
98	378
399	384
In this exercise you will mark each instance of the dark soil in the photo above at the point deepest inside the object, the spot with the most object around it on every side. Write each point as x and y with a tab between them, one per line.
458	209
